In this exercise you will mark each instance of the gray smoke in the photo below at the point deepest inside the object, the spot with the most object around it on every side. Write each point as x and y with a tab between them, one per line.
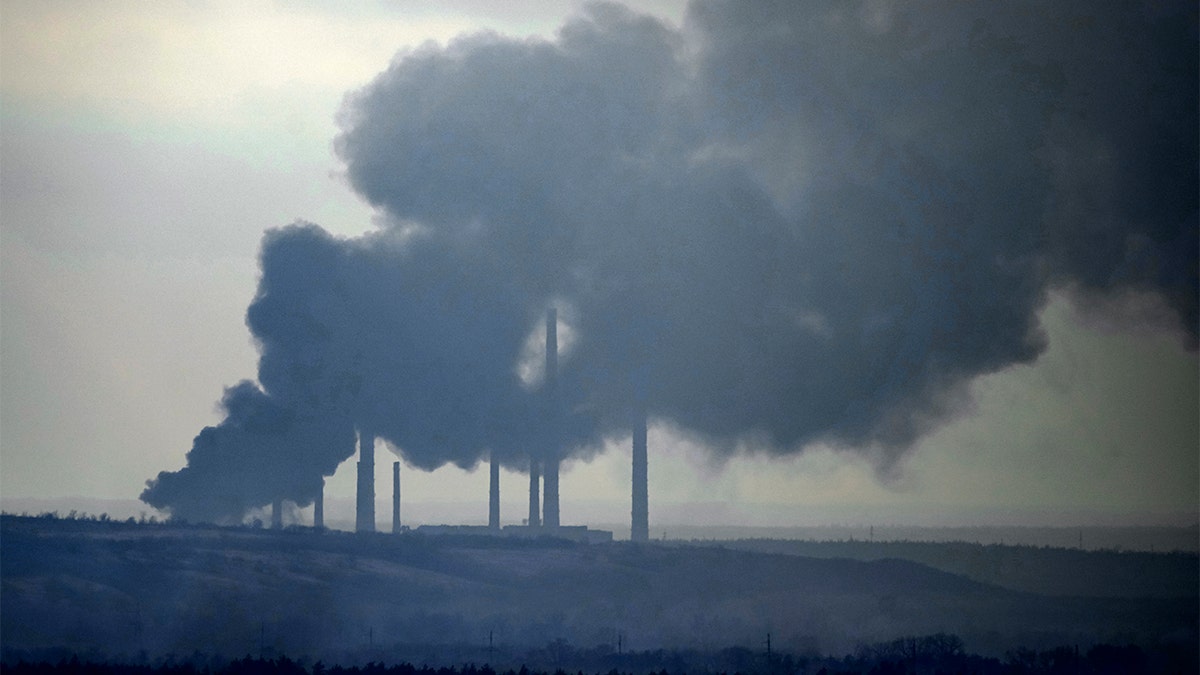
780	224
391	334
262	450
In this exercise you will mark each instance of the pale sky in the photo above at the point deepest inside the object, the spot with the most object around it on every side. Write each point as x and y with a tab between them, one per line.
145	149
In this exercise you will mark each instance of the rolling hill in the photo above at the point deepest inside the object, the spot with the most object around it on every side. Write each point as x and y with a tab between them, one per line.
124	588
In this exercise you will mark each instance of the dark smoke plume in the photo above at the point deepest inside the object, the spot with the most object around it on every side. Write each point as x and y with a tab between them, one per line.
262	450
782	223
393	335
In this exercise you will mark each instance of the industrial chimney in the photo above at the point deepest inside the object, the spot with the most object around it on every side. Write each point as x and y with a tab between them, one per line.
550	482
277	514
364	517
494	494
395	497
535	485
319	507
640	527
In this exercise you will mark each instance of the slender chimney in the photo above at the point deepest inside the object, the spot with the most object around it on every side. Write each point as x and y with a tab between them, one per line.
535	511
640	527
494	494
277	514
319	507
364	520
550	482
550	485
395	497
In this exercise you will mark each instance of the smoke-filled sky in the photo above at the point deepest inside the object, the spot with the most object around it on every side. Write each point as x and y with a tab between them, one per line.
856	261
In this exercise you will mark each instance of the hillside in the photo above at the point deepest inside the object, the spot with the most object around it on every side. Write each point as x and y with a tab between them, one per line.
1044	570
122	588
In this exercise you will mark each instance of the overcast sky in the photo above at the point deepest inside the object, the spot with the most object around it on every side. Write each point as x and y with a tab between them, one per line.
146	148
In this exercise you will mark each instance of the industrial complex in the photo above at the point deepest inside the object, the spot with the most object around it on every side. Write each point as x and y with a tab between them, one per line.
543	519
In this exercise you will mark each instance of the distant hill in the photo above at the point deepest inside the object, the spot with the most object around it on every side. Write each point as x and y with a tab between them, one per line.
1148	538
1045	570
122	588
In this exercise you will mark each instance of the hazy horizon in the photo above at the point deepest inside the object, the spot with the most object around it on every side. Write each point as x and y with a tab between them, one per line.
672	517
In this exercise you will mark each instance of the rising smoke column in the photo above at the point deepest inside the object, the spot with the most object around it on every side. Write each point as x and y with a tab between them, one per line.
277	441
436	339
398	334
798	222
781	223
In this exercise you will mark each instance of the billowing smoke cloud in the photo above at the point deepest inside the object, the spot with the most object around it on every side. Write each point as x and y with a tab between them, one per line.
393	335
782	223
262	450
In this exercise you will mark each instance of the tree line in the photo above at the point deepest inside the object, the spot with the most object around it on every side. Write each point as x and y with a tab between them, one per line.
939	653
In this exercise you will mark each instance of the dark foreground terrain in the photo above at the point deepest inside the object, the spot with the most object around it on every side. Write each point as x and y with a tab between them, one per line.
148	593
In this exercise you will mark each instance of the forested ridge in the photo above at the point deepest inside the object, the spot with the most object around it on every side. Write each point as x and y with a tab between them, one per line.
929	654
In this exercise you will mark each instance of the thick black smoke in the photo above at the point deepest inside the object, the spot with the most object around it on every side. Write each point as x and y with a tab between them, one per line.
393	335
782	223
263	450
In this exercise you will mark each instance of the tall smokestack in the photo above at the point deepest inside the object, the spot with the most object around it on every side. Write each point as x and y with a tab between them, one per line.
550	483
277	514
364	517
640	528
319	507
395	497
494	495
535	511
